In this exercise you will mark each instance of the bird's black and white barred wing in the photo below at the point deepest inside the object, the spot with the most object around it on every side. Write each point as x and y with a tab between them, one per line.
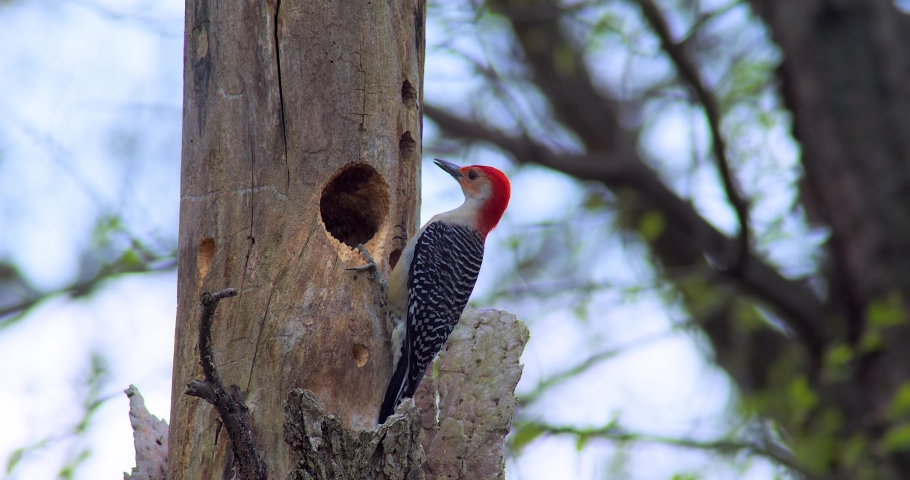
442	274
444	269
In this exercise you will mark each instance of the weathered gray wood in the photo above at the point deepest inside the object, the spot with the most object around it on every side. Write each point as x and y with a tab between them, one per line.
472	395
301	138
326	450
150	439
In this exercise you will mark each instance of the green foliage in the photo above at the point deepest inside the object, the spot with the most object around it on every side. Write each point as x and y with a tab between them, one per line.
582	442
114	252
838	356
686	476
564	60
68	471
837	361
746	80
887	313
748	317
700	298
855	450
900	403
14	459
524	434
897	439
802	398
651	226
881	315
91	401
871	341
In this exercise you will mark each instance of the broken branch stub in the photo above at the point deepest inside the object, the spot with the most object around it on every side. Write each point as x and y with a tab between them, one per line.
477	372
150	435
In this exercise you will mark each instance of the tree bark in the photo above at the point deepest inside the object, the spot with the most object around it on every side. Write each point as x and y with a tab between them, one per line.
301	139
844	78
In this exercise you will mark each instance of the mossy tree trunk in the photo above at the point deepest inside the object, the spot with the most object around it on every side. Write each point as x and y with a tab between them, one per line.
301	139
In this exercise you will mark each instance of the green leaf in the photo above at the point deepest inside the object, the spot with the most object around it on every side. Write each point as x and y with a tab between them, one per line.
886	313
525	434
651	226
854	450
581	442
685	476
839	356
14	459
564	60
802	396
898	438
871	342
130	258
900	404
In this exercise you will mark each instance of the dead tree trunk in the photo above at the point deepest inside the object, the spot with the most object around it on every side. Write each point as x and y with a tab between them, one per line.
301	139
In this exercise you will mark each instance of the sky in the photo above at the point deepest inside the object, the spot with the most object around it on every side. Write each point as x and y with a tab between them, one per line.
90	125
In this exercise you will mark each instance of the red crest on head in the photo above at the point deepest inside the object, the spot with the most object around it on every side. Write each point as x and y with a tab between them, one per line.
496	205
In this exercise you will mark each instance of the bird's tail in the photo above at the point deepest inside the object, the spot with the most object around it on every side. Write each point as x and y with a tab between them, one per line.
393	394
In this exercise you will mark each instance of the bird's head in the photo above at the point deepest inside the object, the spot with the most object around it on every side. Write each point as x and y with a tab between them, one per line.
486	187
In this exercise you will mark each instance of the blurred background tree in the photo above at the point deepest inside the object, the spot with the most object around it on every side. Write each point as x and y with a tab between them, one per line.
708	233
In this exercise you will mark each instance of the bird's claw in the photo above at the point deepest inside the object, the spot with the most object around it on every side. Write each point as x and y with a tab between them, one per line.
370	265
404	232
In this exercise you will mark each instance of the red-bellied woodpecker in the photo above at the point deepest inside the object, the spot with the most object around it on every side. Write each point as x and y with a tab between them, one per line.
432	281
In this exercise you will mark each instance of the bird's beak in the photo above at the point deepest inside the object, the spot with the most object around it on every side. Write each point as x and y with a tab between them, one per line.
449	167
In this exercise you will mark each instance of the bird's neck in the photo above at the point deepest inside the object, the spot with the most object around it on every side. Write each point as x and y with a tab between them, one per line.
476	214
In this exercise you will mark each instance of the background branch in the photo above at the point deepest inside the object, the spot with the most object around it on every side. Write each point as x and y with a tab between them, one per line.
798	306
690	75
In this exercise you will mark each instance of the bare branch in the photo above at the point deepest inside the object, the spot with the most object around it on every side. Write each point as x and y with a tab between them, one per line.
581	367
10	314
689	74
612	431
559	71
693	237
229	406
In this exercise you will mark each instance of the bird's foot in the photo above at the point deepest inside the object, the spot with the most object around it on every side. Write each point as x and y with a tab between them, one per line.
370	266
402	237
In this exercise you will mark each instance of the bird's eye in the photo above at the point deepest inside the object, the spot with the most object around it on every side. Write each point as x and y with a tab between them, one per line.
472	176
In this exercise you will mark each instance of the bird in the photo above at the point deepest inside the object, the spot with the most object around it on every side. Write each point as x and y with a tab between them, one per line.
430	285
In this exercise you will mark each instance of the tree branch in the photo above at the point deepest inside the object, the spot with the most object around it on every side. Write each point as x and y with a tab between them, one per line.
617	433
560	72
798	306
690	75
124	265
229	406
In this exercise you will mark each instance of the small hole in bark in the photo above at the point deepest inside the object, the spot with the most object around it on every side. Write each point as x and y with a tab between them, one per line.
408	94
354	204
360	354
394	257
204	254
406	146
